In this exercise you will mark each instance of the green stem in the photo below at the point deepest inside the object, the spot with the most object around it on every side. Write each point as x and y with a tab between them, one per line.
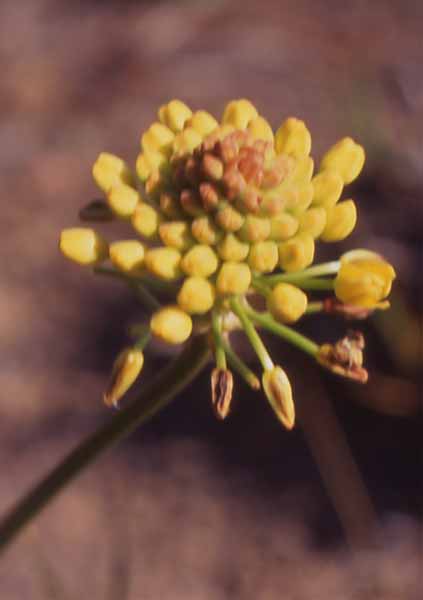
252	334
217	336
314	307
288	334
153	398
136	283
328	268
322	284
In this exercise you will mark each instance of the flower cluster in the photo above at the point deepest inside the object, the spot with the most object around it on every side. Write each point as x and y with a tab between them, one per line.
222	212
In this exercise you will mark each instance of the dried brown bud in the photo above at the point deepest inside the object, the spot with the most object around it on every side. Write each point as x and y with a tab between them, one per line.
345	357
221	389
192	171
191	203
333	306
209	196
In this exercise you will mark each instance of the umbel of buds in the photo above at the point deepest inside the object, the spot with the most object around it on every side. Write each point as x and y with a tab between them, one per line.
221	211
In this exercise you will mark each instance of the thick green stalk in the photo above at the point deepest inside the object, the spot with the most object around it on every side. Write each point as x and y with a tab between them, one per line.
328	268
153	398
287	333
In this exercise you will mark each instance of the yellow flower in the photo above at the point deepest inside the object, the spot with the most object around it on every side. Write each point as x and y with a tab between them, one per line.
174	115
313	221
164	262
123	200
279	393
126	369
293	138
200	261
146	220
287	303
346	158
364	279
263	256
233	278
109	170
232	249
83	245
239	113
296	253
176	234
196	295
171	324
127	255
340	221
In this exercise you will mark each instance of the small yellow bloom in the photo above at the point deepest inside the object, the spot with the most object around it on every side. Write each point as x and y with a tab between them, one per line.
239	113
346	158
297	253
163	262
293	138
127	255
313	221
146	220
232	249
199	261
233	278
186	141
203	123
340	221
171	324
327	188
303	198
283	227
261	130
110	170
157	138
174	115
263	256
205	231
148	162
126	369
279	393
196	295
229	219
287	303
176	234
83	245
123	200
302	171
364	279
255	229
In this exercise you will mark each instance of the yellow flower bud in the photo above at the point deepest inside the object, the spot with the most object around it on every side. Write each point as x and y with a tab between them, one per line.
146	220
278	391
186	141
148	162
196	295
263	256
341	220
82	245
260	129
203	123
287	303
345	158
233	278
126	369
157	138
313	221
293	138
176	234
364	279
163	262
232	249
302	171
229	219
174	115
170	206
297	253
205	231
303	198
127	255
239	113
123	200
327	188
171	324
110	170
283	227
255	229
199	261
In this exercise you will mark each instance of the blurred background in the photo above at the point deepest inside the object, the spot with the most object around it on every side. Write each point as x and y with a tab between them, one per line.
189	508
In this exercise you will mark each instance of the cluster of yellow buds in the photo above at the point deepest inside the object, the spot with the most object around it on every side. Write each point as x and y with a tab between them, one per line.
222	211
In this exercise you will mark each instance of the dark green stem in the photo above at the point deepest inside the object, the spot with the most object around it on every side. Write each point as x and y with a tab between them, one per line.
136	283
153	398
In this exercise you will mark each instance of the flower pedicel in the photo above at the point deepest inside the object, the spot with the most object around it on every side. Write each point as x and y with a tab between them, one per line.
221	211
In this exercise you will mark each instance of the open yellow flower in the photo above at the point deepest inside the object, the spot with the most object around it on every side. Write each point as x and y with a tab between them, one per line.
364	279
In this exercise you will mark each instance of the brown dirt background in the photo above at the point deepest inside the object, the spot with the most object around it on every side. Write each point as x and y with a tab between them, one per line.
190	508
